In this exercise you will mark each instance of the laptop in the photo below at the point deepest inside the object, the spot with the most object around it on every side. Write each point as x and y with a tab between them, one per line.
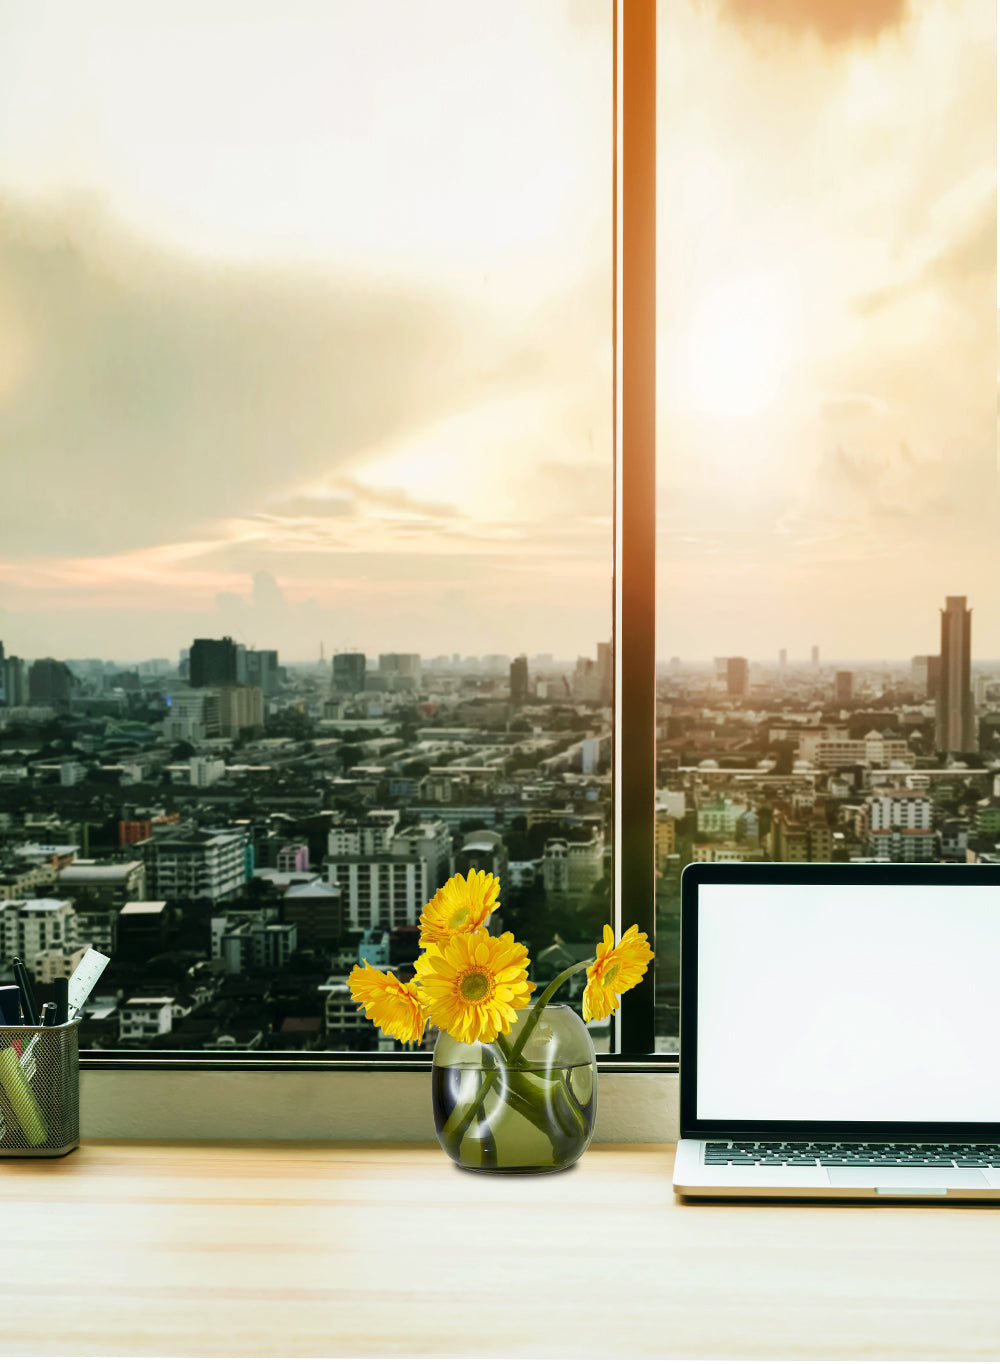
839	1031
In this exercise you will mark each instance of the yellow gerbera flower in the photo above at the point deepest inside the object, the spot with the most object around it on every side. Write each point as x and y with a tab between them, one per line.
394	1006
462	905
473	983
615	970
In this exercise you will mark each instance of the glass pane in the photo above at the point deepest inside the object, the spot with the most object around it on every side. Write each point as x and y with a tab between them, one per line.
306	401
826	427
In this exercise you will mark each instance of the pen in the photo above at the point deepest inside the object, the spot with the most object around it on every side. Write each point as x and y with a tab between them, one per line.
49	1013
60	997
28	1006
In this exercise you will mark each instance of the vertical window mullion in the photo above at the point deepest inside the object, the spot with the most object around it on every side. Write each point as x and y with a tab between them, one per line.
635	504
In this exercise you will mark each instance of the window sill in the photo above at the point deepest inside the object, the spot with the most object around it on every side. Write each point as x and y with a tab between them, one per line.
344	1104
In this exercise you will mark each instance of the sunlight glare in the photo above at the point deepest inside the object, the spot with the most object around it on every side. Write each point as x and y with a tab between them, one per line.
741	342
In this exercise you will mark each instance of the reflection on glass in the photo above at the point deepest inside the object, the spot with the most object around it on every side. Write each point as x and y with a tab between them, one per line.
827	625
305	392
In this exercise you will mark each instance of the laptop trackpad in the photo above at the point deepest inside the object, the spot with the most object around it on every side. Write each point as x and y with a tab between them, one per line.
885	1177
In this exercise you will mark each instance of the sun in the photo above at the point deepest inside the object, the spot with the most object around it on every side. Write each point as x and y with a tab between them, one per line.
740	344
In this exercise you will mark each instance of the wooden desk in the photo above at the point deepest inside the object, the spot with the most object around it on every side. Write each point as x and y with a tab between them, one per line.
315	1249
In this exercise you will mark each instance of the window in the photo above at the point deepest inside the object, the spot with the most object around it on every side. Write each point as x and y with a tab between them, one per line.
826	436
317	360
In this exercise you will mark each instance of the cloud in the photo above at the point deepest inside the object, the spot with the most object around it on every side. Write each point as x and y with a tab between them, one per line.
837	23
970	259
149	394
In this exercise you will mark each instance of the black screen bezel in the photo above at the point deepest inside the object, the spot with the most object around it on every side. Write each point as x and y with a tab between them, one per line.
697	874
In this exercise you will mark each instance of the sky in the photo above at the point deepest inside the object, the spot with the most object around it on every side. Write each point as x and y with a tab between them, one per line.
305	326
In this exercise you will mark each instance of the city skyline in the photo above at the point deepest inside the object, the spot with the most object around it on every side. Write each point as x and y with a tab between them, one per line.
297	362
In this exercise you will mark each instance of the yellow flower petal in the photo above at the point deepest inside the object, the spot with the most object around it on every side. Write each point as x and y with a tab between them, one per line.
461	906
394	1006
462	988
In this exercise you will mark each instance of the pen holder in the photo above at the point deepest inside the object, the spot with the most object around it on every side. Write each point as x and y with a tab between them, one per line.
39	1090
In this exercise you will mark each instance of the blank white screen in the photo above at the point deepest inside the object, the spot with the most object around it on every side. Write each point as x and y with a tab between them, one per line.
849	1003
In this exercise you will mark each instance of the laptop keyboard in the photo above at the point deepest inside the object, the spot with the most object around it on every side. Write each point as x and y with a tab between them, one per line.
963	1155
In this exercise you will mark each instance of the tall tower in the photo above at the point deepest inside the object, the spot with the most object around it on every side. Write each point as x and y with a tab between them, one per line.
956	729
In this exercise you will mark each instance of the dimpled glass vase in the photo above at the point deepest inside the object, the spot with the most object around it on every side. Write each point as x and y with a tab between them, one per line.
525	1103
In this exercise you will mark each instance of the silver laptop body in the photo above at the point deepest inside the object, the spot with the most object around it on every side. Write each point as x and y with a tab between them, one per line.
840	1031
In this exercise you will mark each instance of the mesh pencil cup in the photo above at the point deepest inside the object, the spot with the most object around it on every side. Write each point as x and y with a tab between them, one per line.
39	1090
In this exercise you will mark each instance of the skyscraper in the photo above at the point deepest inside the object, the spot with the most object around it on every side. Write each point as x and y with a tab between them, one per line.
956	729
213	661
737	676
518	681
348	673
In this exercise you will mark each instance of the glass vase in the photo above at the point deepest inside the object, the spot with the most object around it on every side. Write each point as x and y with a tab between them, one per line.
525	1103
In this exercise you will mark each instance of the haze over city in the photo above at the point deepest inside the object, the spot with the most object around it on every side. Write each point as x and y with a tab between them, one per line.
316	359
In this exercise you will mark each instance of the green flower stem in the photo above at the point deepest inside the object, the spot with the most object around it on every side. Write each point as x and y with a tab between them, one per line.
543	999
459	1119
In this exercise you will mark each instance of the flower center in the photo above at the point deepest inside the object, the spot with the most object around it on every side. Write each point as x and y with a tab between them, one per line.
609	974
459	917
475	986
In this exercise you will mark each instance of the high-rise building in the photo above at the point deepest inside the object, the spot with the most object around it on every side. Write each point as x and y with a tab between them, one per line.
50	682
815	655
606	672
213	662
737	676
262	670
782	658
925	674
348	673
518	681
843	688
955	731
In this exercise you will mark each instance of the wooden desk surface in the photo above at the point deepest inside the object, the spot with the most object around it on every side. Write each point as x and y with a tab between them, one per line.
319	1249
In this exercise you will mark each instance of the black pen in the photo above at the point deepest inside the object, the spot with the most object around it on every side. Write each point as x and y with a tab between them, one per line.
49	1013
28	1006
60	997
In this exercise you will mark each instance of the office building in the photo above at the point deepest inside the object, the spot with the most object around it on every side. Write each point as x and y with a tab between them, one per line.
737	676
317	911
14	679
200	865
955	731
192	716
50	683
386	873
518	682
843	688
348	674
241	709
925	674
815	655
261	670
397	672
213	662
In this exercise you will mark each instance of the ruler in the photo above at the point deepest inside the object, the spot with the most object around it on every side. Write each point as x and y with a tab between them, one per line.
84	978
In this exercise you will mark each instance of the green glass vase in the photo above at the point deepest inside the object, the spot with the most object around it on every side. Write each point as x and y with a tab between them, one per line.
522	1104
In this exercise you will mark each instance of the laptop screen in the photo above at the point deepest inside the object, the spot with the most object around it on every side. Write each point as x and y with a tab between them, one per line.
850	1002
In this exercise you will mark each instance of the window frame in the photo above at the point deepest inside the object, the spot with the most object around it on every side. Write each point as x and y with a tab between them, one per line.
633	175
